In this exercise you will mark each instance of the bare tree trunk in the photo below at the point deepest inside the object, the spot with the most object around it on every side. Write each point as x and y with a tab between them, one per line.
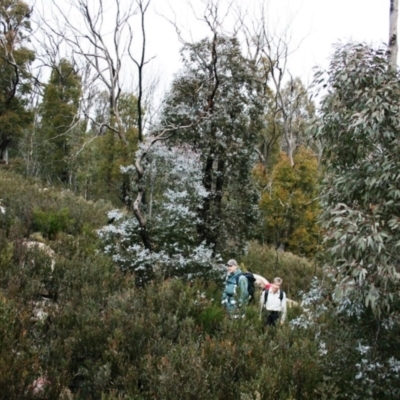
393	46
143	5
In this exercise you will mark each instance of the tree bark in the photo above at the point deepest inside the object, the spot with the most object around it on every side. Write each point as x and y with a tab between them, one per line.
393	46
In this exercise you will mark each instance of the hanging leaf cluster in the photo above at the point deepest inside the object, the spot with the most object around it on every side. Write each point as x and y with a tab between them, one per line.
359	129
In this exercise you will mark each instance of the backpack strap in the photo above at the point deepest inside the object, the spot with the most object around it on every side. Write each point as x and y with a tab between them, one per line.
266	291
233	280
266	295
237	278
245	274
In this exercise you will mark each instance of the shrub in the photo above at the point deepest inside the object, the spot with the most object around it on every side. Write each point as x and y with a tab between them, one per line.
29	206
51	222
85	327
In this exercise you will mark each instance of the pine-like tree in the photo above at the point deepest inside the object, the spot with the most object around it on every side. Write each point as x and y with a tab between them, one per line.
59	114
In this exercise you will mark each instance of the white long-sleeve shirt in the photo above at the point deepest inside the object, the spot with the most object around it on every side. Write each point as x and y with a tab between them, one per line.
274	303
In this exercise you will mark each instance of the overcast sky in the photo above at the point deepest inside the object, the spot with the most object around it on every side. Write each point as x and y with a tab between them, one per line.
314	24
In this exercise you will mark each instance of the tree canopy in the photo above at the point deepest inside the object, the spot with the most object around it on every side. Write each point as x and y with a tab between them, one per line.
15	83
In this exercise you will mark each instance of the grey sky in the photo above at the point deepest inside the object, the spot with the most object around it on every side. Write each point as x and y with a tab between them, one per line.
314	25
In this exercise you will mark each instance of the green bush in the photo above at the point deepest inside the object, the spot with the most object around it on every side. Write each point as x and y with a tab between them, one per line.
211	318
50	223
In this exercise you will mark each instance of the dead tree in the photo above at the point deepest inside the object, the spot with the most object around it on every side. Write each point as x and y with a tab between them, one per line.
101	39
270	52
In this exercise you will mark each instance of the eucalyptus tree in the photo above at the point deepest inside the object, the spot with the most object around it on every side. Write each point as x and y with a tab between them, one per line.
288	206
289	106
15	82
287	122
108	42
359	129
217	77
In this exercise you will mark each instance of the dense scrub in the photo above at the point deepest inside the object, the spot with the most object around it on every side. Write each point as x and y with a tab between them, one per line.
105	339
81	328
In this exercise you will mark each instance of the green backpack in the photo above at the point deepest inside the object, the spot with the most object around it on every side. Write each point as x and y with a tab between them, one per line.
250	284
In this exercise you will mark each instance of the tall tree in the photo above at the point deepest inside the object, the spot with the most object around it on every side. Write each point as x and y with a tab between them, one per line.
359	127
107	52
287	121
59	115
288	97
14	75
216	77
360	192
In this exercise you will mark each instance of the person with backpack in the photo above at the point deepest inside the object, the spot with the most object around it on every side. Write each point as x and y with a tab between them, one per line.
236	291
273	300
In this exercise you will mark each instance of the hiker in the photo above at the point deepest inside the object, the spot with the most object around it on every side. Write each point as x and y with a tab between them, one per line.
273	299
235	294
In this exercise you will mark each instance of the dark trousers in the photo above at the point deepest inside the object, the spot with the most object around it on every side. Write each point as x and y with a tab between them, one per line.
272	318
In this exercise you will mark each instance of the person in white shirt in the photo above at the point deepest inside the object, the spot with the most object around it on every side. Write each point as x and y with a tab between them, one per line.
273	299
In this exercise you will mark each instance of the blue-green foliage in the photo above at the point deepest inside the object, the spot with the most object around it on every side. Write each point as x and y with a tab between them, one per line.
359	132
174	193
